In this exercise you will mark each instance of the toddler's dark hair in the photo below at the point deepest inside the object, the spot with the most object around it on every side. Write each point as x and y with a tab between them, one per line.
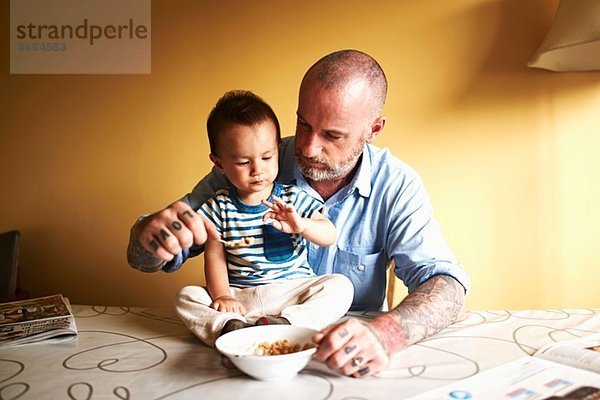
238	107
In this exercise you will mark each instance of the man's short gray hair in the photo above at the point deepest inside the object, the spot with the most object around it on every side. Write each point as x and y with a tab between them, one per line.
340	67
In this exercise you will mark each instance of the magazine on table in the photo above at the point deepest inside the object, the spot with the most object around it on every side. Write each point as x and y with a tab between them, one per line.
568	370
581	353
43	319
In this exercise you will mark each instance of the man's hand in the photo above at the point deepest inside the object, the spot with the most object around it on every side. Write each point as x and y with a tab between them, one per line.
165	233
353	348
228	304
362	348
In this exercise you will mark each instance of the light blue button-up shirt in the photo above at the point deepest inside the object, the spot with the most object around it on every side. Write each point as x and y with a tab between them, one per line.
384	214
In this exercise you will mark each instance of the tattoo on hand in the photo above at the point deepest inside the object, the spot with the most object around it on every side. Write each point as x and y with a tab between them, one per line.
140	258
176	225
164	234
153	244
349	349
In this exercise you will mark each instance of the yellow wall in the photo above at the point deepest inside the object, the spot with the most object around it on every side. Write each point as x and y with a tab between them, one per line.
509	154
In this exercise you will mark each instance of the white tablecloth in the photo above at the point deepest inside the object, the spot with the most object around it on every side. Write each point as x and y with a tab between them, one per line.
137	353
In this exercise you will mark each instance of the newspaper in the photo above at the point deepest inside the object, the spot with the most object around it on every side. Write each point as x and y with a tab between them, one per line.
47	319
563	370
581	353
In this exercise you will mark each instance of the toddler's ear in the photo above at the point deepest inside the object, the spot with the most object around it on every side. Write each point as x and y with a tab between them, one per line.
217	161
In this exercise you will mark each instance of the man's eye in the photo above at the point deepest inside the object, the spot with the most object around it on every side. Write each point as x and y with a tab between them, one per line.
267	158
331	136
242	163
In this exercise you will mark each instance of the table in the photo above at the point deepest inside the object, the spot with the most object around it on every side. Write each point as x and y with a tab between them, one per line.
139	353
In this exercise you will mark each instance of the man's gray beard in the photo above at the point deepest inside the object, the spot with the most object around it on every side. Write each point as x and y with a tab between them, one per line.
326	171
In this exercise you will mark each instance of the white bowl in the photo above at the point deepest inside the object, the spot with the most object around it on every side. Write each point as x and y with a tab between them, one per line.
239	346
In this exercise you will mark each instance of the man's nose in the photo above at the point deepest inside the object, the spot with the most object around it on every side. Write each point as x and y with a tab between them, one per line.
311	146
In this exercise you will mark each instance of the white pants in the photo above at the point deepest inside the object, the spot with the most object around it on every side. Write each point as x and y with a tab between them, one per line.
309	302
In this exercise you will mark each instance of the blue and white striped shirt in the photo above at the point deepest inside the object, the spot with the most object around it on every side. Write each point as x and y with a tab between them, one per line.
273	255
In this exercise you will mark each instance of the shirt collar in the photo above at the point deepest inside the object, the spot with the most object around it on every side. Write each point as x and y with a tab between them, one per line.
361	181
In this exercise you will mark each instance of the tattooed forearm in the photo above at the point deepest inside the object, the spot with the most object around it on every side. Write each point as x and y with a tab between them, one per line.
435	304
140	258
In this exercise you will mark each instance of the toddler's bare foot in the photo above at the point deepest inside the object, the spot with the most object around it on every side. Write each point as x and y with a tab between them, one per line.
234	325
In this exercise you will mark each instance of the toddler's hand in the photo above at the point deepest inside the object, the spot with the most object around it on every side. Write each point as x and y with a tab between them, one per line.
228	304
283	216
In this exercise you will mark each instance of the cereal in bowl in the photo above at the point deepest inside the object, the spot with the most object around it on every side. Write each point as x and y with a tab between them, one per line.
280	347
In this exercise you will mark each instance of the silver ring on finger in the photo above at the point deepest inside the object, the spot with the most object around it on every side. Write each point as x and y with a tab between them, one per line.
357	361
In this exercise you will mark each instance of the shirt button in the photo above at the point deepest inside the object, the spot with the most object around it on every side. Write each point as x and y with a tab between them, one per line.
361	267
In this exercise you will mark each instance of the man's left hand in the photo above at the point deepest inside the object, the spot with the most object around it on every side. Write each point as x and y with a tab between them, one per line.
352	347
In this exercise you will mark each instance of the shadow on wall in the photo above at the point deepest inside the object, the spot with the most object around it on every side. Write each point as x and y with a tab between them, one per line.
484	51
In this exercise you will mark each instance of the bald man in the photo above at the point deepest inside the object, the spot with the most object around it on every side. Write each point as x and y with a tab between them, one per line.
379	206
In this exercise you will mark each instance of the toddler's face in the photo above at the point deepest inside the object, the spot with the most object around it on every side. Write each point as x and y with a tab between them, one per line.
248	156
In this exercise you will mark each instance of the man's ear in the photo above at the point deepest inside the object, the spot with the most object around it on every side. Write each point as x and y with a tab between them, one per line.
376	128
217	161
